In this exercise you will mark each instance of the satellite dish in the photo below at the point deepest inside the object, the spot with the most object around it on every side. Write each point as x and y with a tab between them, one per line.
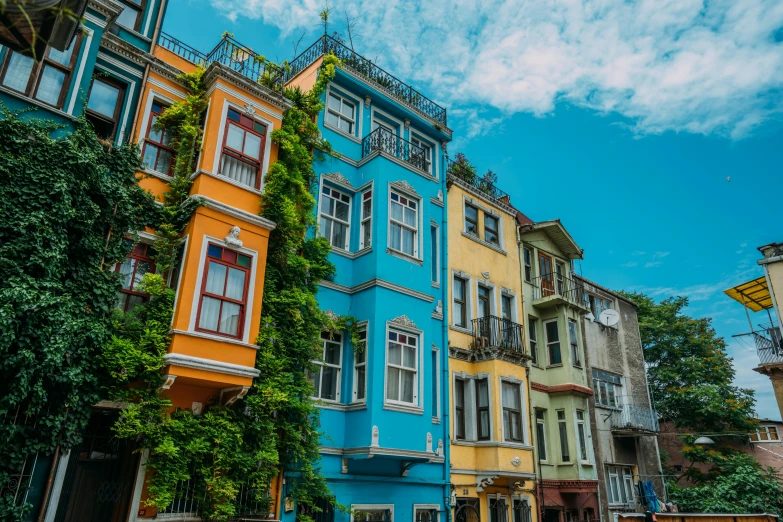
590	316
609	317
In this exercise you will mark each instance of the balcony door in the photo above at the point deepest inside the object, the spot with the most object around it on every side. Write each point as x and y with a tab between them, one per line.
547	276
484	310
386	136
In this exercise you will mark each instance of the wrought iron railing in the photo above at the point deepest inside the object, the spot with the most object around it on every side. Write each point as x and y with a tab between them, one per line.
233	55
630	417
569	289
457	171
368	70
497	332
383	140
249	504
769	343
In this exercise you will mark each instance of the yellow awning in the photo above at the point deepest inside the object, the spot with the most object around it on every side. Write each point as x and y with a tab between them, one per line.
754	294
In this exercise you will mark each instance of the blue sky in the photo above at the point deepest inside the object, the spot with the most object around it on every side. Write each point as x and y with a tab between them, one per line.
622	119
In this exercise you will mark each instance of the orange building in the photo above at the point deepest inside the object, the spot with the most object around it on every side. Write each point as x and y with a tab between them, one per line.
220	282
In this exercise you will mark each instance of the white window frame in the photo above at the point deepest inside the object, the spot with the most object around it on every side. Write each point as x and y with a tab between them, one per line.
390	121
560	434
436	414
765	429
497	496
355	508
522	409
547	343
533	339
527	264
465	205
366	221
432	147
499	229
584	434
417	230
356	112
471	406
573	344
417	379
321	363
436	254
542	422
523	500
427	507
617	388
347	223
623	474
363	327
468	300
493	298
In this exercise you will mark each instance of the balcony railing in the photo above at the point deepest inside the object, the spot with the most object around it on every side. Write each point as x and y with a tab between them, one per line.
496	332
368	70
632	418
769	343
187	503
464	175
565	288
383	140
233	55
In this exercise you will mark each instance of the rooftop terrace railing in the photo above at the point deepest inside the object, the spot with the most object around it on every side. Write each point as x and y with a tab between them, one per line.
382	140
370	71
769	344
468	177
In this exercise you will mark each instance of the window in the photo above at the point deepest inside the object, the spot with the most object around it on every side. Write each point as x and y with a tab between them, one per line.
404	225
325	511
360	367
435	261
132	270
326	379
471	220
560	277
460	310
459	409
224	292
575	360
541	434
130	17
532	331
484	301
765	434
340	113
157	154
553	342
482	409
402	368
498	509
435	380
423	152
521	510
103	106
47	81
512	411
335	217
243	149
528	256
368	514
426	514
598	305
563	429
366	221
607	389
620	486
491	229
581	434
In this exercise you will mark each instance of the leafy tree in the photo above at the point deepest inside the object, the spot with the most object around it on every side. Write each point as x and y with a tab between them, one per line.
689	371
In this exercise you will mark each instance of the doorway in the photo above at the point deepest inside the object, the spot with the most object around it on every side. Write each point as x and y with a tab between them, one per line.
547	278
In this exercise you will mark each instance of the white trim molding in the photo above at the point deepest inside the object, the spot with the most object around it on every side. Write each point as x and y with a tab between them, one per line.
209	365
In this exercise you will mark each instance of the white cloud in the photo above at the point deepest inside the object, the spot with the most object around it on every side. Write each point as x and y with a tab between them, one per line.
666	65
660	255
652	264
745	360
630	264
638	253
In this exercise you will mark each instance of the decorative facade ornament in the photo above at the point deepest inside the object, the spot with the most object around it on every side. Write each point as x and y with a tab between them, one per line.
339	179
506	291
196	408
443	146
367	102
345	466
461	274
376	436
331	315
485	275
249	110
233	237
403	320
440	195
516	461
439	451
405	186
429	441
407	123
439	307
242	392
168	381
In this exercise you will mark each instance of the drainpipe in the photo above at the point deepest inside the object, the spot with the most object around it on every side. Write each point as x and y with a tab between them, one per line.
49	483
444	384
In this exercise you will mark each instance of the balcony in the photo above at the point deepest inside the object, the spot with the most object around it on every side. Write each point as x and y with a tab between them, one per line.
634	420
769	344
496	333
386	142
361	66
233	55
457	173
553	290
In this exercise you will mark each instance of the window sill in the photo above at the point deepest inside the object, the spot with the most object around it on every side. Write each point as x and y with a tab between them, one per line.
492	246
565	464
328	405
436	420
155	174
555	365
435	285
438	202
226	180
437	316
404	256
415	410
460	329
776	441
351	137
491	444
586	464
351	255
211	337
17	94
603	407
358	405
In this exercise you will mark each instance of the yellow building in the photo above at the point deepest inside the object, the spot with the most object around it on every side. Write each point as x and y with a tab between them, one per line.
492	467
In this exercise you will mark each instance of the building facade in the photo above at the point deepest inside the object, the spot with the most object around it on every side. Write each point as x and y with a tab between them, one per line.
554	303
382	206
624	423
492	462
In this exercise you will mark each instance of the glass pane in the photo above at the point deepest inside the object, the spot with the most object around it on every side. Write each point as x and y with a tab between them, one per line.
329	383
332	119
216	278
396	211
164	162
315	379
366	234
408	383
510	396
334	102
243	260
134	301
235	287
150	155
154	135
326	228
409	357
482	393
410	217
235	137
551	332
214	251
61	57
338	235
407	241
239	170
345	126
332	353
229	320
515	423
210	309
347	110
471	213
128	17
18	73
554	354
360	382
126	270
395	353
366	208
393	384
483	424
142	267
103	98
459	314
253	146
507	424
341	210
459	289
395	237
51	85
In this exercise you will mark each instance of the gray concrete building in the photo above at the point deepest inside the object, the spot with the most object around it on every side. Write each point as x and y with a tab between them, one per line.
624	423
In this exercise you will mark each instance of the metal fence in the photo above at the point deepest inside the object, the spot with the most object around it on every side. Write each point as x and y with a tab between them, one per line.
467	176
383	140
769	343
630	417
569	289
250	503
497	332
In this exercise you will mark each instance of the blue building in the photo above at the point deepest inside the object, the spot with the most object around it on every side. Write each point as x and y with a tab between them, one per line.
382	207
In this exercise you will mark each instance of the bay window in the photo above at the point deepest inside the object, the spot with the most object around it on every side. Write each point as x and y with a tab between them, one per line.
335	217
562	428
223	297
243	149
157	153
403	224
511	396
402	366
366	221
326	379
132	270
607	389
360	367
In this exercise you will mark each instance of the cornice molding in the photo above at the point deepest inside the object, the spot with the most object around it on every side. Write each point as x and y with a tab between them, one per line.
235	212
217	70
376	282
209	365
120	47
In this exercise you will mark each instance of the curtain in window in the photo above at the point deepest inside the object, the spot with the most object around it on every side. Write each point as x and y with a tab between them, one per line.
18	72
482	392
238	170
